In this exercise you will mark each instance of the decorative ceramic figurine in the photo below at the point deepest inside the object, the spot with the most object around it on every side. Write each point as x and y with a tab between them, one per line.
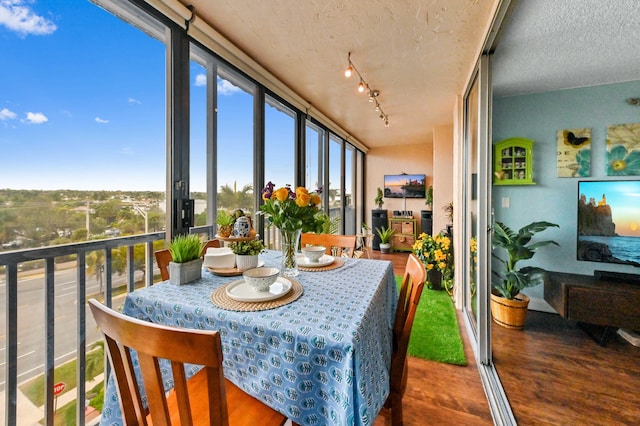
242	227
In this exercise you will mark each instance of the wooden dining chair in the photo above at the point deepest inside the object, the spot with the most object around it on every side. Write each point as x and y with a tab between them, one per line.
413	281
163	257
335	245
207	398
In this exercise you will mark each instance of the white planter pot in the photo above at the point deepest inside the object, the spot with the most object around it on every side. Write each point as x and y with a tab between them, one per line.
246	261
183	273
385	247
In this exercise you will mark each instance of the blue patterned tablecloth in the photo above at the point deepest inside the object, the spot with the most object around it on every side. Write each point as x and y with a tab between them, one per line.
322	360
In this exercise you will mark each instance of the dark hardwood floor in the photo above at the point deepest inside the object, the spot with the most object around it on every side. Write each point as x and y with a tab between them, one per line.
553	373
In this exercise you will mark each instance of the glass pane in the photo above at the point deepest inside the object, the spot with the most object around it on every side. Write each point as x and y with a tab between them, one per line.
349	187
279	143
198	139
235	143
471	229
314	156
335	186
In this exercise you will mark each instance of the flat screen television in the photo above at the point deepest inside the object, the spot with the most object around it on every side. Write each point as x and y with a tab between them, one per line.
609	221
404	186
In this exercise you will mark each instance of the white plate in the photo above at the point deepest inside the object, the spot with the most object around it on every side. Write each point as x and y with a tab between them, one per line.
241	291
323	261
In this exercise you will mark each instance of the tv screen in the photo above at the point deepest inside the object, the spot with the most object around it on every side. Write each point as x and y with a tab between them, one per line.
609	221
404	186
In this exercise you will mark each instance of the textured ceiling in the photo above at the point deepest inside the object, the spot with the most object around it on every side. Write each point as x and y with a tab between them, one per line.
562	44
418	53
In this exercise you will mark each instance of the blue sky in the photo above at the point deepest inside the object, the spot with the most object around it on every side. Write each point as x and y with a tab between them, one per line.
82	105
624	199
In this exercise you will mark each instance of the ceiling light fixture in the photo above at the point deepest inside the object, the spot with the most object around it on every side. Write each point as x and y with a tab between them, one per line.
373	94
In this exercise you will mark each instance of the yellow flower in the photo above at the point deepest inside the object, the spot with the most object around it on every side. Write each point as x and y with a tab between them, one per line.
303	199
315	199
429	266
281	194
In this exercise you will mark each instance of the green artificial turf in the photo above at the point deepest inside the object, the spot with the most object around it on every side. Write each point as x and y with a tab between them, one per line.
435	334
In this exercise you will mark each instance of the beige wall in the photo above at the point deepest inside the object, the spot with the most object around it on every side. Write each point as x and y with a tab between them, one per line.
443	175
394	160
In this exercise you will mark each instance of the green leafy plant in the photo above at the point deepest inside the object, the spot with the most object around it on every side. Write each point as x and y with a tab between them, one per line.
511	280
329	225
185	248
429	195
385	234
251	248
379	201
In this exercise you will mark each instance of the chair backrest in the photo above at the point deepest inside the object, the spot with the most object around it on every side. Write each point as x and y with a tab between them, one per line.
163	257
211	243
413	281
335	244
153	342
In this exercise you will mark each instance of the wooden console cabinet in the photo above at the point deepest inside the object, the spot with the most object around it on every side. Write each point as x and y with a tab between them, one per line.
405	233
591	300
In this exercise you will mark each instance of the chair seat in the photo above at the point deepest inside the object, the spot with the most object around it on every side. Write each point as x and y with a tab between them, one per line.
243	409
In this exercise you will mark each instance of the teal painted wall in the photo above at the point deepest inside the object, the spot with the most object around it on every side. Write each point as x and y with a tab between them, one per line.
539	117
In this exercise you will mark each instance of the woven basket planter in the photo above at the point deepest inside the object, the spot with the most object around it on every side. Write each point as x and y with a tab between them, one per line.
510	313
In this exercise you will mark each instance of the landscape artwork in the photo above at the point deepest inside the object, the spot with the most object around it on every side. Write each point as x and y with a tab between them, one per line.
609	221
574	153
405	186
623	150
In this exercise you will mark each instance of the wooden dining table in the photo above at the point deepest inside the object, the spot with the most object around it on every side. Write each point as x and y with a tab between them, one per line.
321	359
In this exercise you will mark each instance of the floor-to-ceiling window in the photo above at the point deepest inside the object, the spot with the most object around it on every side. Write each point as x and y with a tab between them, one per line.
235	141
349	189
335	194
314	156
279	143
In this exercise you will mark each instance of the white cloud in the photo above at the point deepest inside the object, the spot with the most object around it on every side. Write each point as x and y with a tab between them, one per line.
6	114
101	120
36	118
134	101
226	88
20	18
201	80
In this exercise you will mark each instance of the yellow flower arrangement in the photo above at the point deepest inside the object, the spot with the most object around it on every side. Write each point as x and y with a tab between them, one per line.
433	251
289	210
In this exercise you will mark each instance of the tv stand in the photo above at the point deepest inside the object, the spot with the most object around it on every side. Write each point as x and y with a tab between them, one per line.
594	301
618	277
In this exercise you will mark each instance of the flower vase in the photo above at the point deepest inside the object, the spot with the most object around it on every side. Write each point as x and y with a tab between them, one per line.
289	240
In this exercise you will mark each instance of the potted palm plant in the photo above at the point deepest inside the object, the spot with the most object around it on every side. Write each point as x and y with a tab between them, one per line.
385	235
186	264
508	304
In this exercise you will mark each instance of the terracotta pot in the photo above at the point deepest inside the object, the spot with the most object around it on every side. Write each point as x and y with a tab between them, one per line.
509	313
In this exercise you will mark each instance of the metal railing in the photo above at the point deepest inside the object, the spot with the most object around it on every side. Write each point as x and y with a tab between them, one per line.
12	261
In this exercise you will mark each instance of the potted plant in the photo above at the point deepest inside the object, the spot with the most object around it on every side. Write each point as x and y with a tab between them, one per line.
508	305
186	263
429	196
225	223
435	254
247	253
379	201
385	235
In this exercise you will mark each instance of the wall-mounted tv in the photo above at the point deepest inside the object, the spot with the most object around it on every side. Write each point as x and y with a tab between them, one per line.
609	221
404	186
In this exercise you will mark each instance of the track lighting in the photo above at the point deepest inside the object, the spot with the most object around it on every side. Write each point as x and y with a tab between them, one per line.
362	85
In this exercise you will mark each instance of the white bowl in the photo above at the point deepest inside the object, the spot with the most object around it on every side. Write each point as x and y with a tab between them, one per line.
261	278
313	253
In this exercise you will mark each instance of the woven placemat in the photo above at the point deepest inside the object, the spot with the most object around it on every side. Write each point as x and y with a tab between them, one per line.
337	263
220	299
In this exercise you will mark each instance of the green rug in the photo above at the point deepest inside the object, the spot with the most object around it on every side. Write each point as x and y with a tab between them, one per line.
435	335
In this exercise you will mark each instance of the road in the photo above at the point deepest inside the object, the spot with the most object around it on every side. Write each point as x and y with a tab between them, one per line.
31	320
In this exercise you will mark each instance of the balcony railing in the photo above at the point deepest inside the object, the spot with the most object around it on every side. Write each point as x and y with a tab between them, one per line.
45	333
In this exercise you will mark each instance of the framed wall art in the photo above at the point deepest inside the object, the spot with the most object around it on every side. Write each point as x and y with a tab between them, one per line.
623	150
574	152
